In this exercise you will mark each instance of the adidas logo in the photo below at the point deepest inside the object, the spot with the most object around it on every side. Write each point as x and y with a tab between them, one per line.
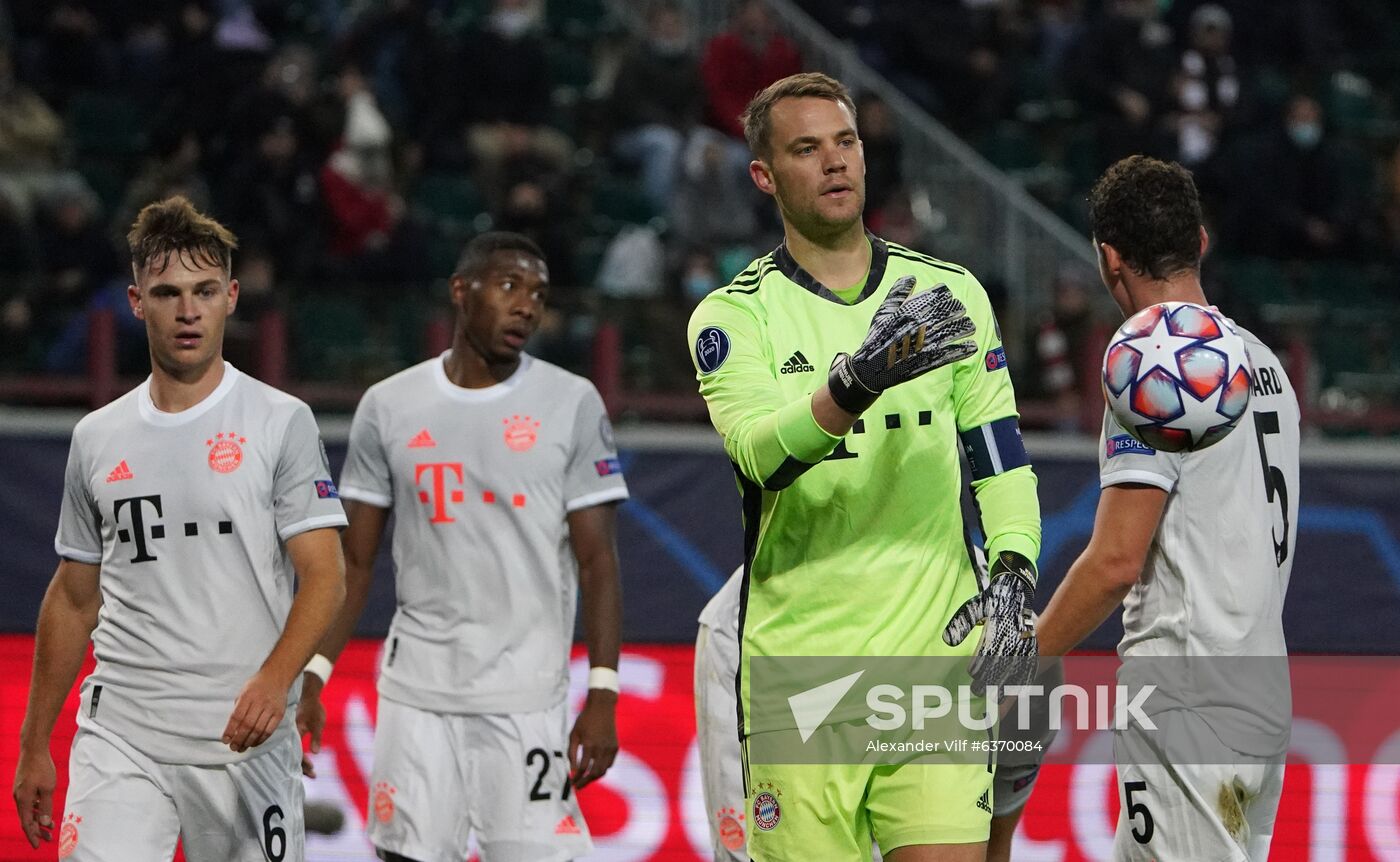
567	826
422	440
120	473
984	802
796	364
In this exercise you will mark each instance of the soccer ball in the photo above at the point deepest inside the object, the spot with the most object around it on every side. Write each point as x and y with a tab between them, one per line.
1177	376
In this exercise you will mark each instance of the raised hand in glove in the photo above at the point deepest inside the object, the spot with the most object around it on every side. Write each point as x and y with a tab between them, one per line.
1007	653
907	337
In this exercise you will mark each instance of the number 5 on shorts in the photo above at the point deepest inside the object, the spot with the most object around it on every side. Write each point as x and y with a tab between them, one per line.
1136	808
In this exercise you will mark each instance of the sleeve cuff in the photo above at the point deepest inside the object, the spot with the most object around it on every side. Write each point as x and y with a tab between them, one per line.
800	435
597	498
1141	477
76	555
1017	542
360	495
337	521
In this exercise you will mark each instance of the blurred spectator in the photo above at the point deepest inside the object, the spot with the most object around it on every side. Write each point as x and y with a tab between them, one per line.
713	202
1119	71
879	137
699	275
399	48
1061	342
1057	25
1385	227
507	106
369	237
272	198
30	137
288	87
951	56
745	58
172	169
656	101
19	264
1294	199
531	208
1206	88
75	52
76	250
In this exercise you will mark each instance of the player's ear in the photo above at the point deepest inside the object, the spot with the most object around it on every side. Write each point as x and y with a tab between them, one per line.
1205	241
762	176
133	298
232	294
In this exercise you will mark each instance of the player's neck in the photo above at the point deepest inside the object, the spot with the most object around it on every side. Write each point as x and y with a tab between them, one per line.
468	368
1178	288
837	262
174	390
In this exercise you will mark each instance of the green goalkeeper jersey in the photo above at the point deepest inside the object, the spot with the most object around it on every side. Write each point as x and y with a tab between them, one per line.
856	546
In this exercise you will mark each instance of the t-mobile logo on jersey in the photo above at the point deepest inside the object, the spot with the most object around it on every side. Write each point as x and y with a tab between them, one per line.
139	533
437	495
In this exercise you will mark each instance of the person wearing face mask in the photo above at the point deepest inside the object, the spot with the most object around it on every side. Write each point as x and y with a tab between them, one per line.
1297	202
656	100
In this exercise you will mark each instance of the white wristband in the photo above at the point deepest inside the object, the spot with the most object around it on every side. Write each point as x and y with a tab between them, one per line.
604	678
321	667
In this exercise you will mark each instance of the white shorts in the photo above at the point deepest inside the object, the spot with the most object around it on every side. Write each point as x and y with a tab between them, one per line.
1218	812
124	807
717	731
439	777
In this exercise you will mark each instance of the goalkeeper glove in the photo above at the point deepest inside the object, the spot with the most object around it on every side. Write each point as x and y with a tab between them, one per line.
907	337
1007	654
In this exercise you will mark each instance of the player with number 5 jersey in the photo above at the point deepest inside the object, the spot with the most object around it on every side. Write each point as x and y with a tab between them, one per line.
502	475
1198	546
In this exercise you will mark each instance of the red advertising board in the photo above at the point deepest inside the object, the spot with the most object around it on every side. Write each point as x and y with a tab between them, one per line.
649	808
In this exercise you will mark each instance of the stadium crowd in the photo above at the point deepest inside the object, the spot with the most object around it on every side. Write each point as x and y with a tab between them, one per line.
354	147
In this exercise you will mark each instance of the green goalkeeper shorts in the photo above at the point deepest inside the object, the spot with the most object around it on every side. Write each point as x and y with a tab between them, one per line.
801	812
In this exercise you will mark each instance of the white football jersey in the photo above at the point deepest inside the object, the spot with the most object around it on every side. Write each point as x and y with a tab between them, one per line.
1215	576
188	515
481	482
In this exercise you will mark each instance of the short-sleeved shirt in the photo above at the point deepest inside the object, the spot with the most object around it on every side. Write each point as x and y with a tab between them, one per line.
865	553
481	482
1218	567
188	515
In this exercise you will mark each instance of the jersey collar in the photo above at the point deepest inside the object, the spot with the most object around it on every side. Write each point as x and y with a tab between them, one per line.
156	416
879	256
486	393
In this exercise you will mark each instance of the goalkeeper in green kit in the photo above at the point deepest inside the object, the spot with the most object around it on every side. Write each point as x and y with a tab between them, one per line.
844	372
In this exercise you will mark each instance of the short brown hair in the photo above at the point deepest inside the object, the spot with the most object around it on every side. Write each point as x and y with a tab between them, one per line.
174	227
1150	212
758	116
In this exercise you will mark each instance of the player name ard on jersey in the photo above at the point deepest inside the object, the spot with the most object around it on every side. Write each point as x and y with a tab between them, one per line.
1218	567
481	482
188	515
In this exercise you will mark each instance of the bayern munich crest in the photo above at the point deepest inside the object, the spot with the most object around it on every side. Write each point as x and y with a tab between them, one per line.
225	451
766	810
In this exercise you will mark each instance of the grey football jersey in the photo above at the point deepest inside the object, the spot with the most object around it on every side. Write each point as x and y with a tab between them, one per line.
480	482
188	515
1218	567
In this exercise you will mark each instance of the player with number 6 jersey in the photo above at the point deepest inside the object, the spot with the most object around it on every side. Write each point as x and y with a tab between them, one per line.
502	475
1198	547
192	505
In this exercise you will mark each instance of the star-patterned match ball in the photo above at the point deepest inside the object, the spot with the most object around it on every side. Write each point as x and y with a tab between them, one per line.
1177	376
